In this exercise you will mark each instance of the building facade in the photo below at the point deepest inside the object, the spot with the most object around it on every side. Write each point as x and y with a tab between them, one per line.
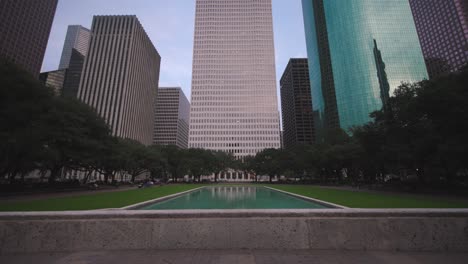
172	113
78	39
443	32
72	78
25	28
234	102
357	50
54	79
296	104
120	76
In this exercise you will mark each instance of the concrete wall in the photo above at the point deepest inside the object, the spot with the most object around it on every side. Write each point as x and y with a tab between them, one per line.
349	229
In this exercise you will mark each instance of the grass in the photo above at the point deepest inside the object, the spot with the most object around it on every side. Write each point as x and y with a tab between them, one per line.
363	199
95	201
353	199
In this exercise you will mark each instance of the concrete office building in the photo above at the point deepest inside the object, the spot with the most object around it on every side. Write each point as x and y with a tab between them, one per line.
120	76
443	32
359	53
77	38
24	31
296	104
54	79
234	104
172	113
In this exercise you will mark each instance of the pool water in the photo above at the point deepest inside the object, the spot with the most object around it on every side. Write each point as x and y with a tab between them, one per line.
234	197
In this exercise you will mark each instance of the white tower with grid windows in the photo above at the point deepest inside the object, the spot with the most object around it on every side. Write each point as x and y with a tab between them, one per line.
234	102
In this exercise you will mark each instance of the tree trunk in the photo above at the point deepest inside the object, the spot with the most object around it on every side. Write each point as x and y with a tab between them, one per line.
86	178
54	172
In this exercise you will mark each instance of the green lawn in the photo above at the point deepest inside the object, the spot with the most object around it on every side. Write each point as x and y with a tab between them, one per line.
96	201
353	199
362	199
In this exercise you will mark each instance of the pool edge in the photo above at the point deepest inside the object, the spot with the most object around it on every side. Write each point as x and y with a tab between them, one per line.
310	199
157	200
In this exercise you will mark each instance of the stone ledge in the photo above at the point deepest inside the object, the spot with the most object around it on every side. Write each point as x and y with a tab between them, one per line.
242	213
347	229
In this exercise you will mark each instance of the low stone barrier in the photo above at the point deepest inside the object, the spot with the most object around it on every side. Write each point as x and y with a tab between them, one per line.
342	229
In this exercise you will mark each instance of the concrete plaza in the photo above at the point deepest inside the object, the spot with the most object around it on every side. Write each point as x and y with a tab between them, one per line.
238	257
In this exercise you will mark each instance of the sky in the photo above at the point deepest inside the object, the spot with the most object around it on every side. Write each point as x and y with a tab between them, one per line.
170	26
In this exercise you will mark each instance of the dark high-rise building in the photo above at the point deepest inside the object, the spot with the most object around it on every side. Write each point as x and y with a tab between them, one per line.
77	39
72	79
120	76
24	31
54	79
296	104
443	32
172	114
359	53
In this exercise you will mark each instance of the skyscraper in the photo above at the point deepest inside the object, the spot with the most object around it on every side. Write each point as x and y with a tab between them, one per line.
120	76
296	104
77	38
25	28
359	53
234	103
54	79
172	113
72	78
443	32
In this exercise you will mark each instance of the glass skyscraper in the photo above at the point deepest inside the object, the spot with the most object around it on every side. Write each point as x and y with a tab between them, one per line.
359	53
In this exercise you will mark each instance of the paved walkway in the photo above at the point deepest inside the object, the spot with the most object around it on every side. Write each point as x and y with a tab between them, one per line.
240	257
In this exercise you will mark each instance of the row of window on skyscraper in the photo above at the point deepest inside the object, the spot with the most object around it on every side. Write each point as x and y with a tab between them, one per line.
359	51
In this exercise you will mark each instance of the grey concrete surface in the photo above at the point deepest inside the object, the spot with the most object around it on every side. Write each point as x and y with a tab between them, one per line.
237	257
347	229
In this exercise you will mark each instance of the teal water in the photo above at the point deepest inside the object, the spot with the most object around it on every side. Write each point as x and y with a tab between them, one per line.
234	197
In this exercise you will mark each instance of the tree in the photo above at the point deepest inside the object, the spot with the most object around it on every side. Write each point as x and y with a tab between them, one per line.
268	163
23	102
222	161
199	162
158	163
175	161
71	132
136	157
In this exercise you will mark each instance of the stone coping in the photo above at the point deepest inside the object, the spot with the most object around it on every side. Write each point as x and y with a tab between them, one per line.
310	199
244	213
161	199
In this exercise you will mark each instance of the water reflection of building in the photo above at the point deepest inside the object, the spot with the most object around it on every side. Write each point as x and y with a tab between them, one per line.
235	176
232	193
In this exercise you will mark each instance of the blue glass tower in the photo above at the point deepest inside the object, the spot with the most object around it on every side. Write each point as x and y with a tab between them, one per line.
359	52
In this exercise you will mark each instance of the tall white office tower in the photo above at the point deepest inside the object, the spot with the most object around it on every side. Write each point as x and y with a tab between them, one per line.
77	38
234	103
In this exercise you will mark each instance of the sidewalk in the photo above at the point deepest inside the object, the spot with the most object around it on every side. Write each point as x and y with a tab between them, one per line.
239	257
